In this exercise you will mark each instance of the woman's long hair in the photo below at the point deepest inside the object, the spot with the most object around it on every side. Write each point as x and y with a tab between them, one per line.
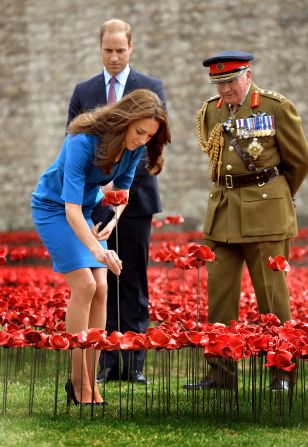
110	124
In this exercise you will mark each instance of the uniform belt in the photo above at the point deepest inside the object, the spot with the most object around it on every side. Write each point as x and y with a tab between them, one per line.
254	178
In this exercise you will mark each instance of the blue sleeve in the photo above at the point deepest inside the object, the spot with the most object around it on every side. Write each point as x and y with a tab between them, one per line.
79	153
125	179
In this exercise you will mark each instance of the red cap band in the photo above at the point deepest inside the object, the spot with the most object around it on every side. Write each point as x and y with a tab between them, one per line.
226	67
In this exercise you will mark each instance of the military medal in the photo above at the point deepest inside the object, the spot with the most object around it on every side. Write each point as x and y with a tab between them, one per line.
255	149
244	127
228	124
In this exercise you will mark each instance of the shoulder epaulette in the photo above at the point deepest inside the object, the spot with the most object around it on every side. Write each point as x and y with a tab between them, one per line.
212	98
271	94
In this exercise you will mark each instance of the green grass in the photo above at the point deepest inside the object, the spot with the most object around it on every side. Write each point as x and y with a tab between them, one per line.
175	417
42	430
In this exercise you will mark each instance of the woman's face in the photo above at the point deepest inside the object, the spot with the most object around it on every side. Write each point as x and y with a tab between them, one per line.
140	132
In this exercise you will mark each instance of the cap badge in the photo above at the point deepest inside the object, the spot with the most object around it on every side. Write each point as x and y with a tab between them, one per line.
220	66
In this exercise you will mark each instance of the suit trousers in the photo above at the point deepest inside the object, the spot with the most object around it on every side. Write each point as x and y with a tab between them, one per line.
133	242
225	278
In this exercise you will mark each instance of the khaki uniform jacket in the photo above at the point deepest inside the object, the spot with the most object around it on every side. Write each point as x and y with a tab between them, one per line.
258	213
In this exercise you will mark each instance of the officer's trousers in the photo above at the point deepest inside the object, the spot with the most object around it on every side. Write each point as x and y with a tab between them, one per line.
225	279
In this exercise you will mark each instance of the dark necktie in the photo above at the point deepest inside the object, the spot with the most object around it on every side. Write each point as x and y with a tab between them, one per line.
112	97
234	108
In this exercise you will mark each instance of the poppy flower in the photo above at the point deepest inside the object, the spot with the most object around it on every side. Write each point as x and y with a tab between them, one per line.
114	340
115	198
33	338
6	339
96	335
183	263
18	253
158	338
131	340
280	359
200	254
173	220
278	263
3	254
157	223
59	342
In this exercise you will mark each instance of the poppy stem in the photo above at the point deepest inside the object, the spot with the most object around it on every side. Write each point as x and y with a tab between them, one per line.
118	278
273	293
198	297
56	382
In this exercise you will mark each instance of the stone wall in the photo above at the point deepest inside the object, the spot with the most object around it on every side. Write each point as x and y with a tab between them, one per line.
47	46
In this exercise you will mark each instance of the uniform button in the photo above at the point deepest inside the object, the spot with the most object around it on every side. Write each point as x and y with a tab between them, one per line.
211	195
229	167
231	148
264	196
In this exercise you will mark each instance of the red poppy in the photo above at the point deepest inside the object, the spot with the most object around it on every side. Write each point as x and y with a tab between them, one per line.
115	198
183	263
58	341
131	340
6	339
270	320
34	338
173	220
278	263
157	223
200	254
96	335
158	338
18	254
3	254
114	340
280	359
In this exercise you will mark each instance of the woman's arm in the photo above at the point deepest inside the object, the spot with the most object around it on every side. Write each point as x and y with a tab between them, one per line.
80	227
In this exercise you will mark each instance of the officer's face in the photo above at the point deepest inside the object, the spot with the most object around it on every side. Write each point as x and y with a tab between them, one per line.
234	92
115	51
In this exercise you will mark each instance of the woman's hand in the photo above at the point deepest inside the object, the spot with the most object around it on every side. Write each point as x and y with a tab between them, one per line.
106	231
110	259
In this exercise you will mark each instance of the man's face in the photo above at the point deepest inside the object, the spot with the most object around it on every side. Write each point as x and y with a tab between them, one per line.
115	51
233	92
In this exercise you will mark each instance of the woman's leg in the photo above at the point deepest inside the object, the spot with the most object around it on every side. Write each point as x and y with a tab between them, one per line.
83	289
97	319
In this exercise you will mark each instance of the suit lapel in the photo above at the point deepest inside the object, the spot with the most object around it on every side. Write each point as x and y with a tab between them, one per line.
100	90
131	82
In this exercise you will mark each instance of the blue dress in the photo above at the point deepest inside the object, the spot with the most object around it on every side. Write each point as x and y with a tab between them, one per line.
74	178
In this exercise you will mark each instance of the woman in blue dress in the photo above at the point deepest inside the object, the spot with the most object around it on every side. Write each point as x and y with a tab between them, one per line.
102	147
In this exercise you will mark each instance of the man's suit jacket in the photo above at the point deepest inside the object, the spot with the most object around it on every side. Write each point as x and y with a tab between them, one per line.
144	194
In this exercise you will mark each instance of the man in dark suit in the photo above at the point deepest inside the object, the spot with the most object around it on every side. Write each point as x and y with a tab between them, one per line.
134	227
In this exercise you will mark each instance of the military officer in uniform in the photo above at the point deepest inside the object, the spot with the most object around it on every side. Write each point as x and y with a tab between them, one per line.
258	158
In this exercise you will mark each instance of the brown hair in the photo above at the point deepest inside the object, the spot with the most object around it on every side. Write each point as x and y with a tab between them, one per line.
115	26
110	124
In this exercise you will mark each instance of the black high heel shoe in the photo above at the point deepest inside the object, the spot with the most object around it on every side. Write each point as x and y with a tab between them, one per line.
69	388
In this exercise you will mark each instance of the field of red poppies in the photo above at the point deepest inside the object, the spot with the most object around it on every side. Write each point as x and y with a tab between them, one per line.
33	302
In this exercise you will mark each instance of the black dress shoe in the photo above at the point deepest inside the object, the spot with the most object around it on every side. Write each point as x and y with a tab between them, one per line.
279	385
207	383
105	375
135	376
